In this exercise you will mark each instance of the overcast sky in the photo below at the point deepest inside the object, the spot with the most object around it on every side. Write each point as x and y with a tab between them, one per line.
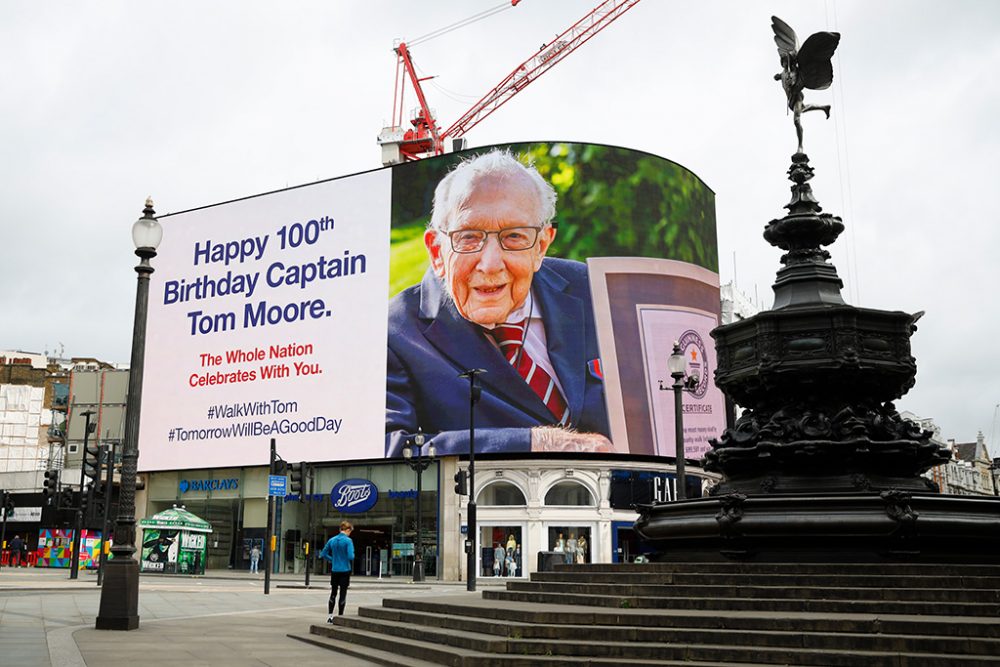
104	103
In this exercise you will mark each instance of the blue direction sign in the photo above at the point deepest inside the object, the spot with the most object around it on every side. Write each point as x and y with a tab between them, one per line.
277	485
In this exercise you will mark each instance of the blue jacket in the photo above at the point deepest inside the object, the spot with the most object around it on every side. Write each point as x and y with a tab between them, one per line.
430	343
339	550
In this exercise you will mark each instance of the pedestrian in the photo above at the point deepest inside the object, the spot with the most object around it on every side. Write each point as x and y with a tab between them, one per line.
254	558
339	550
16	545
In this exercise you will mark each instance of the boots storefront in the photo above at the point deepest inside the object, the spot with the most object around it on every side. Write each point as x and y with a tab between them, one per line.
380	499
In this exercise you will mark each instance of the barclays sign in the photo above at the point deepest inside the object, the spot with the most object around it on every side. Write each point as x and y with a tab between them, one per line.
186	485
353	496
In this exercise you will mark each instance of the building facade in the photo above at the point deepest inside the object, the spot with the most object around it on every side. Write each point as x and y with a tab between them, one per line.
583	507
968	473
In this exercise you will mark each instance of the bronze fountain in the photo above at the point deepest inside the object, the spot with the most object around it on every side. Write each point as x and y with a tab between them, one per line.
820	462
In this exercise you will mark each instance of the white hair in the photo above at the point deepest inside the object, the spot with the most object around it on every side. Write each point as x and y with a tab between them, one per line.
455	188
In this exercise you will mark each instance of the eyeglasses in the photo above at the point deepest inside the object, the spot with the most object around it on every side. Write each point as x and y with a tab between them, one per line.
467	241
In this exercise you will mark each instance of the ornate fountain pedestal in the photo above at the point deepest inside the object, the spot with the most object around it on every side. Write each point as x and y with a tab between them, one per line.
820	466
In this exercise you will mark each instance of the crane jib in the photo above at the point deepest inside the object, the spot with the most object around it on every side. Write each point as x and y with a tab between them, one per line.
426	137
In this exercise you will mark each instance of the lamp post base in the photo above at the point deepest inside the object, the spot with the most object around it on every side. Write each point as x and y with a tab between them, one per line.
418	570
120	597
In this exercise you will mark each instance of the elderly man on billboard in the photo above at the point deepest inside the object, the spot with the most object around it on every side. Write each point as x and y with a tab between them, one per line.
491	299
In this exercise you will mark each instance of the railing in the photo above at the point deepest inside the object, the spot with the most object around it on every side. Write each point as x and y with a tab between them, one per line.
29	559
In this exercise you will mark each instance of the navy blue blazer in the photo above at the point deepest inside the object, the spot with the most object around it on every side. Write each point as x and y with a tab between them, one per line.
430	343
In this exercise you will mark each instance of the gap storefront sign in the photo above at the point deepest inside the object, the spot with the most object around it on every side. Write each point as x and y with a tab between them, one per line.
230	484
354	496
642	487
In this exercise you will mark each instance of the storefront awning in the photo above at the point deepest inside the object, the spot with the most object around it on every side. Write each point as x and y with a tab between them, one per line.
177	518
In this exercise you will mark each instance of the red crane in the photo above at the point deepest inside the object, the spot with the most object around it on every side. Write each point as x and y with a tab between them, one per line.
425	137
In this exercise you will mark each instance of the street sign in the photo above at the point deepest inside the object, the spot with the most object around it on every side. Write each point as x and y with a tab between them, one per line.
277	485
30	514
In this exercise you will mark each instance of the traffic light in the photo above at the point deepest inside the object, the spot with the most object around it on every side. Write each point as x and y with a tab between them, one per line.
84	501
462	482
8	504
92	461
296	473
66	499
50	486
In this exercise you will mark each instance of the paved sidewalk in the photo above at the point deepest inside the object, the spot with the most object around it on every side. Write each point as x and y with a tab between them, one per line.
47	620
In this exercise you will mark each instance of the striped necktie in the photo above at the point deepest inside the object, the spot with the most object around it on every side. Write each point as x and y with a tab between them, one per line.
510	337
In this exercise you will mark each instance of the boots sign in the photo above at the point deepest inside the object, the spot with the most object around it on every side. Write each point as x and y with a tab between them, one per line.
353	496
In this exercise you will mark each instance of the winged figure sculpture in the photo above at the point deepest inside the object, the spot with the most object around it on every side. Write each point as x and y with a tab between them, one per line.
807	67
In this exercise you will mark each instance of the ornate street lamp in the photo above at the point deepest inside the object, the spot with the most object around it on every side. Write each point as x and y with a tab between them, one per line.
119	608
413	453
677	365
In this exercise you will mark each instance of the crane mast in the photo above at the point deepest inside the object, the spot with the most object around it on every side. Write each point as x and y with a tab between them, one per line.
425	137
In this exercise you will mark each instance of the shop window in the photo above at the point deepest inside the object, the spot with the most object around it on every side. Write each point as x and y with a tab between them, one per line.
500	551
569	493
502	493
571	541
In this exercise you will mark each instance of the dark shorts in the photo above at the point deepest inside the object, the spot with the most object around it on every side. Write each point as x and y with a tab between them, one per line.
340	579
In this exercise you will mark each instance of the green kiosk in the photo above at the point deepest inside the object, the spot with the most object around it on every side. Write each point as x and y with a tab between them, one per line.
174	542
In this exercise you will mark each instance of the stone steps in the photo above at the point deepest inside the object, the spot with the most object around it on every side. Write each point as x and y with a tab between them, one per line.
834	637
750	604
468	648
696	614
698	579
350	648
417	653
542	616
931	595
756	568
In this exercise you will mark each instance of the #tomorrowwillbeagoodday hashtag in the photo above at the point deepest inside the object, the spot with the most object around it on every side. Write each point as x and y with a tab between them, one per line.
315	424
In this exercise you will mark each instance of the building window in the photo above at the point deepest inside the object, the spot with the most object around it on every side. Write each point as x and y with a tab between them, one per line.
500	551
569	493
502	493
571	541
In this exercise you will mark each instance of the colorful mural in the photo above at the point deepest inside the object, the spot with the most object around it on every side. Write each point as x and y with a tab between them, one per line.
55	548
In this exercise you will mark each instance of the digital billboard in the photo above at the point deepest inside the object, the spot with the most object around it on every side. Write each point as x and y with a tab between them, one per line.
338	316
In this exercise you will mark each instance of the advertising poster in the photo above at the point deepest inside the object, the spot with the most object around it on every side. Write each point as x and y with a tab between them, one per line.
267	318
338	316
159	550
191	557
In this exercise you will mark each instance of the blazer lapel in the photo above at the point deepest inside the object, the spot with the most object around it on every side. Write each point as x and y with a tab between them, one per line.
563	315
465	345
